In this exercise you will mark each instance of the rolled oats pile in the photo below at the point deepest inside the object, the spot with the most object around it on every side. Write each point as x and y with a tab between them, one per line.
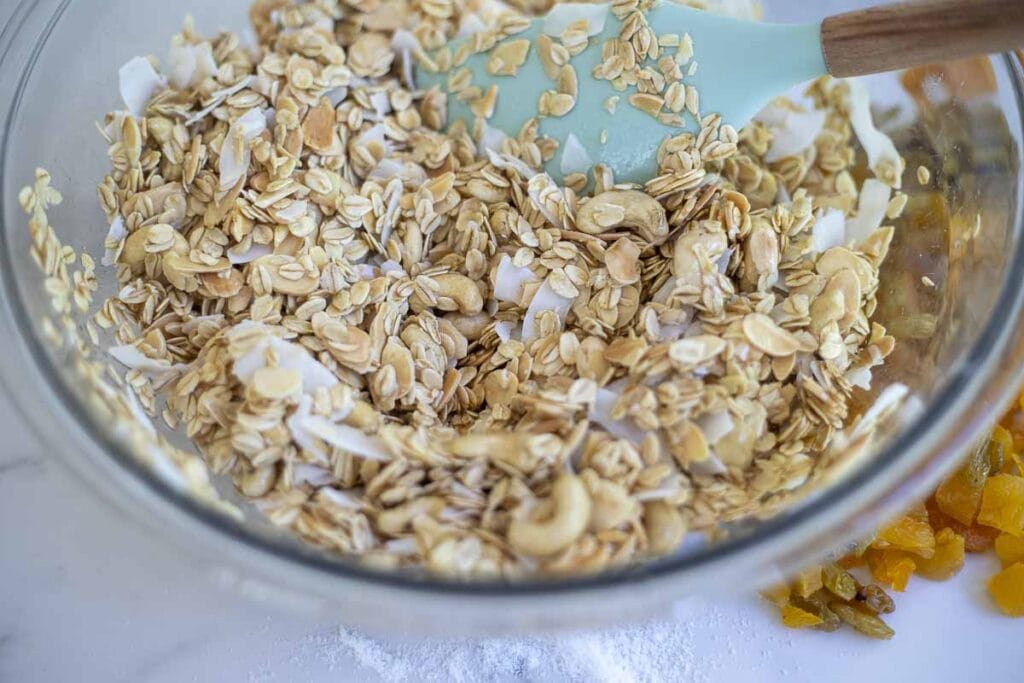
407	345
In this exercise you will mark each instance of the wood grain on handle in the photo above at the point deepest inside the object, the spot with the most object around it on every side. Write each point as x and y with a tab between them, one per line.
923	32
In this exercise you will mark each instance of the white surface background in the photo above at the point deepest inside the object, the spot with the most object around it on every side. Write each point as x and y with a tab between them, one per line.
86	595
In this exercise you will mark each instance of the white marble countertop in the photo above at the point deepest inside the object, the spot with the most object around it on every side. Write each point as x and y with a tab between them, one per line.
86	595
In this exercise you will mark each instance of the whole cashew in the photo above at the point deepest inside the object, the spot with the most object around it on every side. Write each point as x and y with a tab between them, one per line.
664	526
570	513
395	520
611	504
630	209
470	326
455	292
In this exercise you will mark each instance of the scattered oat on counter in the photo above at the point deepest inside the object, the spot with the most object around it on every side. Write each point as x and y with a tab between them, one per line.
410	346
924	176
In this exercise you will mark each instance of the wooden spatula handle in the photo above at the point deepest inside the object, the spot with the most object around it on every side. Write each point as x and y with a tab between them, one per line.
922	32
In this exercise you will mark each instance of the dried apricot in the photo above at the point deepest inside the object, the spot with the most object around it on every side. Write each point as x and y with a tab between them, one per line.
977	538
778	594
948	558
908	533
891	567
839	582
1002	504
958	498
794	617
1007	589
808	581
1009	549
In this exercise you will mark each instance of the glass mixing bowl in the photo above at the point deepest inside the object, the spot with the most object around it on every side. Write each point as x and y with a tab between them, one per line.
961	342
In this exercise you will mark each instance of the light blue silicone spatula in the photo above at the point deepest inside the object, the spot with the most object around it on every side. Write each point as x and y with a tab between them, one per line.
741	66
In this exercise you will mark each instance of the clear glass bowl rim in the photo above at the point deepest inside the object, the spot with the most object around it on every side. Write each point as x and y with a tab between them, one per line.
875	485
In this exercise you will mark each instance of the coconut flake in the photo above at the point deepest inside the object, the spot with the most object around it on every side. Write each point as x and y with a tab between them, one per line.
406	45
888	399
347	438
601	413
504	329
114	241
245	128
343	499
293	212
664	292
859	376
469	26
374	133
291	356
829	230
336	95
575	158
314	475
792	131
723	261
381	106
878	146
563	14
509	280
112	131
254	252
218	99
545	300
190	64
491	138
132	358
505	161
403	547
874	197
139	82
715	425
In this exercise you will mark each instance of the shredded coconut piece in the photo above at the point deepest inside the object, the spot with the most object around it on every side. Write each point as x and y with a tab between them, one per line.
139	83
874	198
879	146
829	230
544	300
575	158
563	14
509	281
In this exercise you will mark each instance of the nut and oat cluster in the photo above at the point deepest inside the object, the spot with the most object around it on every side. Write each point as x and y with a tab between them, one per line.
407	347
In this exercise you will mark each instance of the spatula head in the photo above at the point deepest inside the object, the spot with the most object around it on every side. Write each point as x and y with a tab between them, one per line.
740	66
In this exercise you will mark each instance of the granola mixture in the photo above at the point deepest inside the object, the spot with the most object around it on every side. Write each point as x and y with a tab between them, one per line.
407	345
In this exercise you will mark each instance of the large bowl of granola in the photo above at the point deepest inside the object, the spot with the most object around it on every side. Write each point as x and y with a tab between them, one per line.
263	301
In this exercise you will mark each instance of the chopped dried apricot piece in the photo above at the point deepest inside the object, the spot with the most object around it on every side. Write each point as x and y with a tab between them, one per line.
1002	504
891	567
1009	549
908	533
948	558
958	498
808	581
794	617
1007	589
977	538
778	594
